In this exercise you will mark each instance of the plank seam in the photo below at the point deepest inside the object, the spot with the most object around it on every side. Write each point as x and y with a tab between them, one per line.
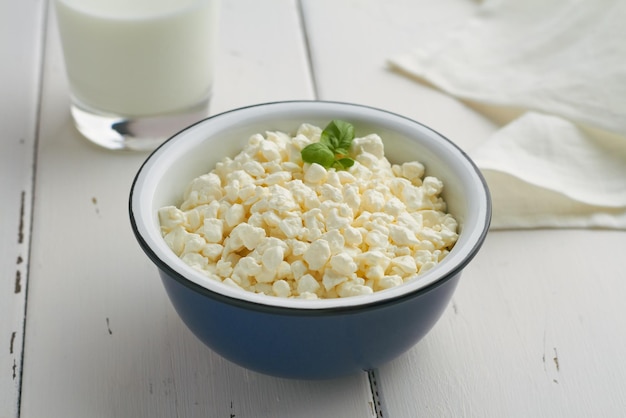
307	47
377	395
28	244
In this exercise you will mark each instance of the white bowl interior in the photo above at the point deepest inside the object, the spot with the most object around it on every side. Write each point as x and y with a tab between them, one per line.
196	150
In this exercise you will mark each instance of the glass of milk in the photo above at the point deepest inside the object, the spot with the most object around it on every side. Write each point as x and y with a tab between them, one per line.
138	70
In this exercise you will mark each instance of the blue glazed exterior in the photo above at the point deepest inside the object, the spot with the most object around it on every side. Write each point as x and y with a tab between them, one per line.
314	344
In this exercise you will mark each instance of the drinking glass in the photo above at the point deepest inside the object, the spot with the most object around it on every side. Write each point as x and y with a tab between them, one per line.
138	70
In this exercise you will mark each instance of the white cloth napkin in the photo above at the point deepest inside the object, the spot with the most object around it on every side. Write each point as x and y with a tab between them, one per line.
562	64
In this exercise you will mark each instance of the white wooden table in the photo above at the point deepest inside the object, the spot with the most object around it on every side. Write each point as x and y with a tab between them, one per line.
536	328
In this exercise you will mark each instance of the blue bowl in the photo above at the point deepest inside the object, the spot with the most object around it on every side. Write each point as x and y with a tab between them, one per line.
298	338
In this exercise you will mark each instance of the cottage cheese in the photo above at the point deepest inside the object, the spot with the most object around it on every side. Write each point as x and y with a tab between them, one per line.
266	222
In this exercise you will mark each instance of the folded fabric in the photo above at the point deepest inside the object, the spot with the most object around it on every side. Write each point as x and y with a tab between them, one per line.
544	171
564	163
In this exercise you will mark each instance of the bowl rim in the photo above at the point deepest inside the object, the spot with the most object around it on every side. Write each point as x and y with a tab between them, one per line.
219	291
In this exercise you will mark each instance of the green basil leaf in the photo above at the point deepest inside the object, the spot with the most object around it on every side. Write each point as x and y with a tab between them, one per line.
333	148
329	140
338	134
318	153
341	151
345	163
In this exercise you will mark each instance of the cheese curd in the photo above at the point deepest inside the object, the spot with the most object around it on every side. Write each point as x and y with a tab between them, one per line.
266	222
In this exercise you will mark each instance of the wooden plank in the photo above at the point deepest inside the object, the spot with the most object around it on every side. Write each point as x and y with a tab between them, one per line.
263	56
351	42
536	326
102	337
535	329
21	32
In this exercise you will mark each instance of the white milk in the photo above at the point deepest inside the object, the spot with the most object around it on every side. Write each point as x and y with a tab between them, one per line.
138	57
